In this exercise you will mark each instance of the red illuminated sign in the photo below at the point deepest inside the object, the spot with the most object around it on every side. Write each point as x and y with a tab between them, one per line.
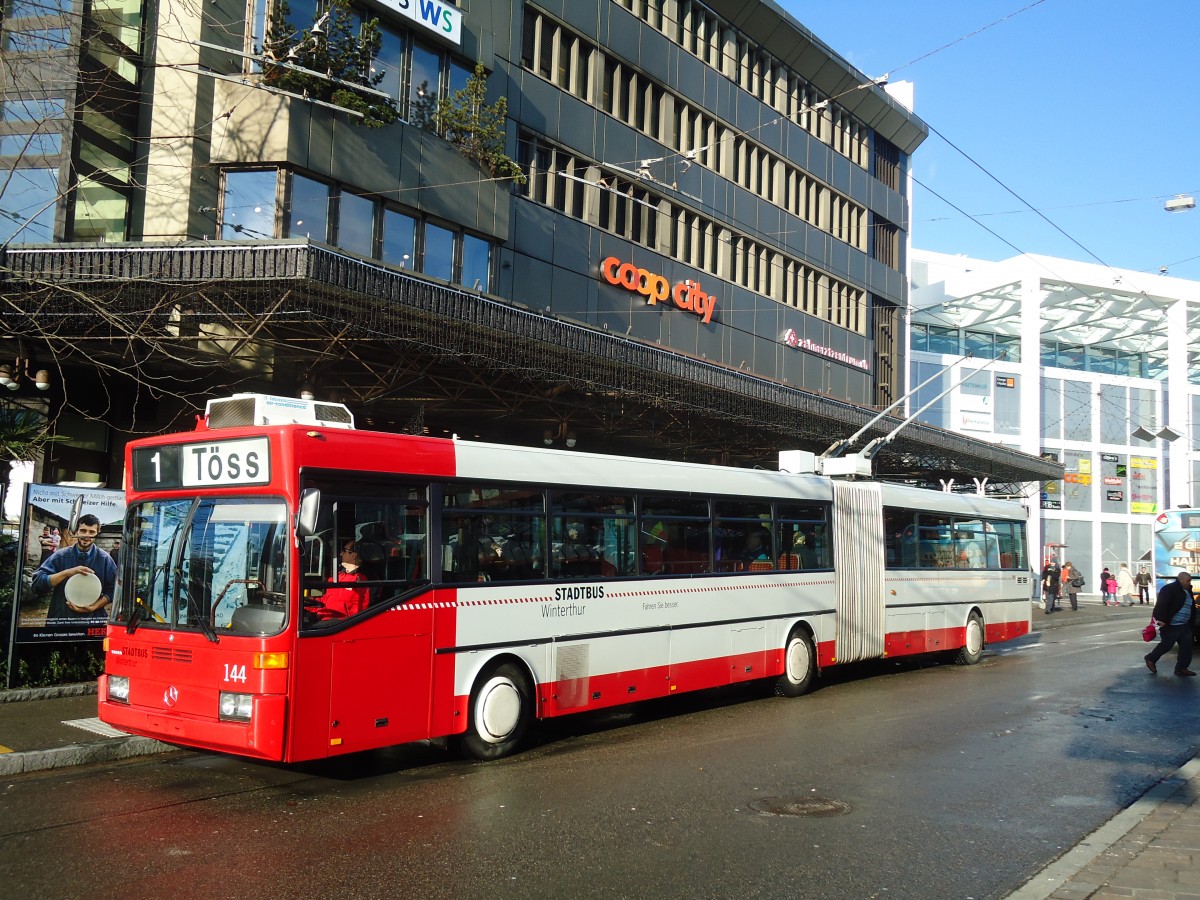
796	342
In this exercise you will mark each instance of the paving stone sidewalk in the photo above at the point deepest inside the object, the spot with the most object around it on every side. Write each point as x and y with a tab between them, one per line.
1150	851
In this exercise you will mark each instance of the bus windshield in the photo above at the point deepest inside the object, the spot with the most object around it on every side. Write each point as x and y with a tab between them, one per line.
218	566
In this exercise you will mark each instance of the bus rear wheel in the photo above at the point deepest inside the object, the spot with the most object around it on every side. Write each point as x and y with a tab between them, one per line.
972	650
799	665
498	714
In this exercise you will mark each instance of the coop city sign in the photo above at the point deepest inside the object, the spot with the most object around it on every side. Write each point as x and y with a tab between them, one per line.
687	295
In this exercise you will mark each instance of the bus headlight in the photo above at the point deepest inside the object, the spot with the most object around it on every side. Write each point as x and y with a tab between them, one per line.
236	706
118	688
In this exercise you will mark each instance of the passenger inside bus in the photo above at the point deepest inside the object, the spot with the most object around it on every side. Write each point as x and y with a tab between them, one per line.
804	551
579	559
757	547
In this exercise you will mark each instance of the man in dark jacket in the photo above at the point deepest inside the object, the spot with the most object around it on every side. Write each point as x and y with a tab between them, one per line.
1051	584
1175	613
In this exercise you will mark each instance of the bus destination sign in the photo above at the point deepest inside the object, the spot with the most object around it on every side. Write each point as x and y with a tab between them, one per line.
207	464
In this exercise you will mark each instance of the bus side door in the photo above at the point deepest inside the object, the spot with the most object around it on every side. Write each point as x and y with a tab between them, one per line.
380	690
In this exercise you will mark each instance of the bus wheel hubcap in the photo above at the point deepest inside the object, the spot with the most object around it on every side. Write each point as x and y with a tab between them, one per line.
974	636
797	661
498	709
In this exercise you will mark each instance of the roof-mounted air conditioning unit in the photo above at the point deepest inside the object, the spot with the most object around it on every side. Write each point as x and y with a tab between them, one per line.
242	410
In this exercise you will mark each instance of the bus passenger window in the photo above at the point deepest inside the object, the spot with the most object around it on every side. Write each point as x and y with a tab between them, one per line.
900	537
969	544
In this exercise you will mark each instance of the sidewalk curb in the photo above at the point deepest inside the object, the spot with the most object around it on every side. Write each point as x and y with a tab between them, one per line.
18	695
1052	877
110	750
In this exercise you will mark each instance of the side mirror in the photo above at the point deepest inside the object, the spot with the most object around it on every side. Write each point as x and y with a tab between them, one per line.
306	517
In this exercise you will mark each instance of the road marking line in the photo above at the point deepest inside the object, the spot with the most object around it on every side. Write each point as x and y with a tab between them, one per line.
95	726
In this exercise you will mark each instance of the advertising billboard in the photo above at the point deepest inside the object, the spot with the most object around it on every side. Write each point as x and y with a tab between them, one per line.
64	580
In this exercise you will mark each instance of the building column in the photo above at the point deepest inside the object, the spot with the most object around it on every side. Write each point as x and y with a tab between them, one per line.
1030	369
1177	487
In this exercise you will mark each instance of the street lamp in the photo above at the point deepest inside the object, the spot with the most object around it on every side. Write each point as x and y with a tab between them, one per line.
1166	433
22	369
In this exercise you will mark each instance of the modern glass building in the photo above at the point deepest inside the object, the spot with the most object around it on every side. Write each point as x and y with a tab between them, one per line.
1094	367
688	237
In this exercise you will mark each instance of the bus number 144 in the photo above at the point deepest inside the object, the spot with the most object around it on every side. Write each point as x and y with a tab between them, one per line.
235	673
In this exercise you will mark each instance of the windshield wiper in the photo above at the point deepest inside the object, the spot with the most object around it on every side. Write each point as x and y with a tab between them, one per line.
139	607
134	618
205	626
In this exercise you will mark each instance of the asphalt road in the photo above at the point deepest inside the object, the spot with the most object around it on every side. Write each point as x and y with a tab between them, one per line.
891	780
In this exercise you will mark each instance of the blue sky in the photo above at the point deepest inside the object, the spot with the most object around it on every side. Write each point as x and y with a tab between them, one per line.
1085	109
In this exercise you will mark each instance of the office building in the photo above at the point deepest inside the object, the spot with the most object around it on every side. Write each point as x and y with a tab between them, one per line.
688	241
1093	367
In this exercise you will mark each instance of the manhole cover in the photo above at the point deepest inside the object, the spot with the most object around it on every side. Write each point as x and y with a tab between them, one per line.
800	806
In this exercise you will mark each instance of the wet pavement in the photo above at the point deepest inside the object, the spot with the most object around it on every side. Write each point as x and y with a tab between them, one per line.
1149	850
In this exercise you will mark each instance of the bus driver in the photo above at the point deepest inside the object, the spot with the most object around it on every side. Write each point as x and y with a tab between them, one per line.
342	602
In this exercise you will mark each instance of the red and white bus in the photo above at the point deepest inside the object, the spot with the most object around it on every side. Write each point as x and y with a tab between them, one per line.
497	585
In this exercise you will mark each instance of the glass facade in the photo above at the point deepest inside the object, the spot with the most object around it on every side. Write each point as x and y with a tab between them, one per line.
27	203
248	207
399	242
356	224
1105	360
960	342
328	213
306	214
1099	378
438	257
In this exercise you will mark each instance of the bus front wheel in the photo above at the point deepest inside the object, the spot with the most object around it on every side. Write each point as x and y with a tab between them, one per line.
799	665
499	713
972	650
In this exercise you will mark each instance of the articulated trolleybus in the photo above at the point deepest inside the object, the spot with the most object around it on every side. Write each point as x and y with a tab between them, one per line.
292	588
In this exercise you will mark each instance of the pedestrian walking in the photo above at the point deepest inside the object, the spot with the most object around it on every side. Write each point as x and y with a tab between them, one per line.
1051	585
1072	581
1143	585
1107	592
1126	587
1175	613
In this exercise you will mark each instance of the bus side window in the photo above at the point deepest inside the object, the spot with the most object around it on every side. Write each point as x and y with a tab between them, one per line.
314	557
